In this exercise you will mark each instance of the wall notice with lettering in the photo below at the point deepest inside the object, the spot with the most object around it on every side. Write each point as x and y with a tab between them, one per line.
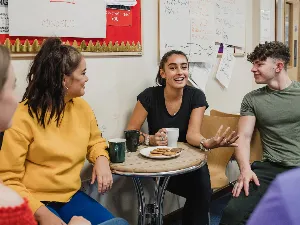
230	22
194	26
4	22
63	18
267	20
188	25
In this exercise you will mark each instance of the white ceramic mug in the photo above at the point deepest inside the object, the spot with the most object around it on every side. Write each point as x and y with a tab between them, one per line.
173	135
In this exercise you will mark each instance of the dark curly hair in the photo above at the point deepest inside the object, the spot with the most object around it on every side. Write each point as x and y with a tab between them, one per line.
45	93
274	50
162	81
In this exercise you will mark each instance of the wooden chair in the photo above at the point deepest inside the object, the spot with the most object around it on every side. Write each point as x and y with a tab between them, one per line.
218	158
214	112
256	149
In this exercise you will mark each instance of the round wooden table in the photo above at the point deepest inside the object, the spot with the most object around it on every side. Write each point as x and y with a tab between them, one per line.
137	166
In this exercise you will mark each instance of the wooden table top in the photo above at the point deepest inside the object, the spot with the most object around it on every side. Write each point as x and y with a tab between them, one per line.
135	163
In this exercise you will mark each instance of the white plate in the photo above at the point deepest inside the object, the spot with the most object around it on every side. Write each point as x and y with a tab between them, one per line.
146	152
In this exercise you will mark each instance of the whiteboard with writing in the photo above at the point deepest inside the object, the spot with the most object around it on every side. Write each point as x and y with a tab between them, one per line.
188	25
267	21
230	22
63	18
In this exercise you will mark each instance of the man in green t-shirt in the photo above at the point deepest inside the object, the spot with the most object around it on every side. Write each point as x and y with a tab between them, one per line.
275	110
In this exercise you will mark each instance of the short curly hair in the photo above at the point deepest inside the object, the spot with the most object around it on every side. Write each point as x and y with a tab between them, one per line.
273	49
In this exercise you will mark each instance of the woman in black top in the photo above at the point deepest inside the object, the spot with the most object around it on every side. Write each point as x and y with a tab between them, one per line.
174	104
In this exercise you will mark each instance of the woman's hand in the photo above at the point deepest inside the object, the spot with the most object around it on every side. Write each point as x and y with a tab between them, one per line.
45	217
102	172
221	140
79	220
160	138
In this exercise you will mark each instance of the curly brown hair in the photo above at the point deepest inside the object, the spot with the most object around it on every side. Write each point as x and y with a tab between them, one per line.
273	49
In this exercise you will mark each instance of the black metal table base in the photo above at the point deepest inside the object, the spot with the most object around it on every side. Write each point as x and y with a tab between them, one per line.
151	211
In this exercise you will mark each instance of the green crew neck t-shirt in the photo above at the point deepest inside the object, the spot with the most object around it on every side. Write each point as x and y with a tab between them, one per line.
278	121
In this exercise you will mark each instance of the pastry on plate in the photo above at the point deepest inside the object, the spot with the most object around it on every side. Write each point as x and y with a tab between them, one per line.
155	154
169	153
177	150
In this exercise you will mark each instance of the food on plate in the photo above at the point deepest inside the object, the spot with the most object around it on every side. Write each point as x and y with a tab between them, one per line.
165	151
155	154
177	150
169	153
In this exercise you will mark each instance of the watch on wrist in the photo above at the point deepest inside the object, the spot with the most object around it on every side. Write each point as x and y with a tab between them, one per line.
147	139
202	147
144	138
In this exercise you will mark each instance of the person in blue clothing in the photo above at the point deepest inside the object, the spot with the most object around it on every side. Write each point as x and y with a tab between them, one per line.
281	204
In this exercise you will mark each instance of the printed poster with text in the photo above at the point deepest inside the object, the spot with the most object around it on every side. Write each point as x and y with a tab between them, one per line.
4	22
63	18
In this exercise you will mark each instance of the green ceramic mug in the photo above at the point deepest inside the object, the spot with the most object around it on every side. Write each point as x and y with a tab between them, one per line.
117	148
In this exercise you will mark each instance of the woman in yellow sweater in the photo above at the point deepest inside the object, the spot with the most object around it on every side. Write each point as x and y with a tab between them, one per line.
52	133
14	210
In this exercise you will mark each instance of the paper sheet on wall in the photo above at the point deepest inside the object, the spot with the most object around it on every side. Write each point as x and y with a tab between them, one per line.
265	26
226	66
199	74
49	18
4	25
121	2
195	20
230	22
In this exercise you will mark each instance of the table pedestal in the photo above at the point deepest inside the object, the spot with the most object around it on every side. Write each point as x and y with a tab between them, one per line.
137	167
153	210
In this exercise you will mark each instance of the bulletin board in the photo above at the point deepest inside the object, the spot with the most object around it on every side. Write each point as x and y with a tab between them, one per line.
123	37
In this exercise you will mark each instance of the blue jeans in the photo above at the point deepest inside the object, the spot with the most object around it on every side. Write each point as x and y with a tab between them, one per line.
83	205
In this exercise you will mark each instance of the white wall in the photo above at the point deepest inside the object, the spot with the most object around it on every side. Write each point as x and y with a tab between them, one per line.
114	83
